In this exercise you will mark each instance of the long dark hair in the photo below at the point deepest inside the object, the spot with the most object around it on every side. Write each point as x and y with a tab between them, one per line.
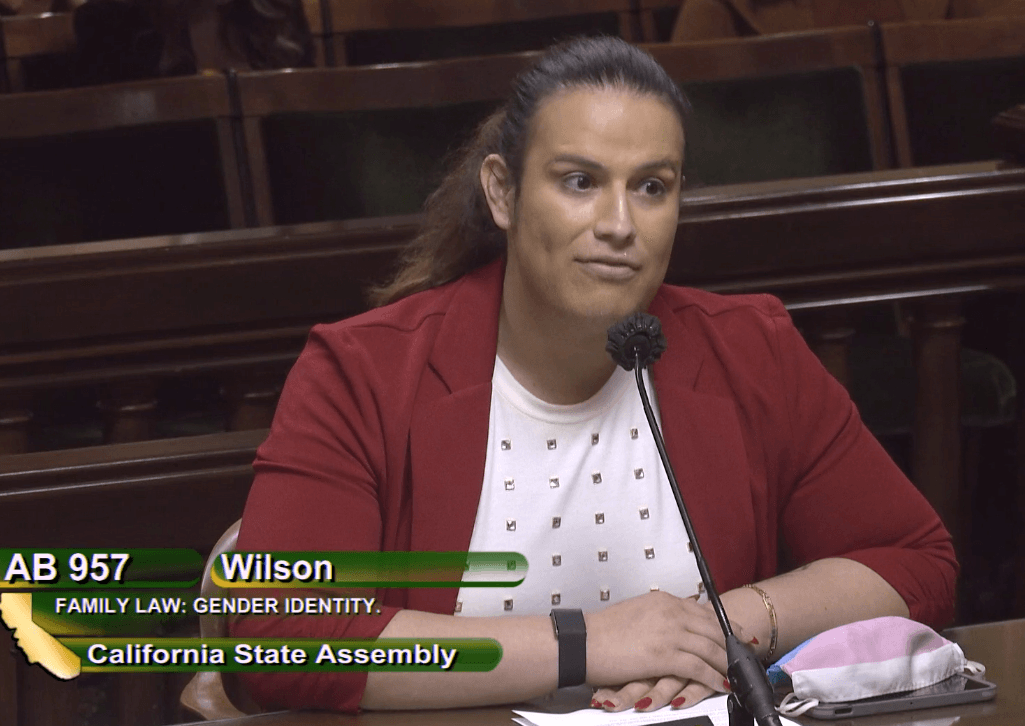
458	233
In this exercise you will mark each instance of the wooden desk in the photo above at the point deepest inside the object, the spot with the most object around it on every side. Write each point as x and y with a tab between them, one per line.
999	646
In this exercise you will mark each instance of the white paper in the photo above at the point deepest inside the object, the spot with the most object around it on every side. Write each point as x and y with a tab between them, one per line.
714	708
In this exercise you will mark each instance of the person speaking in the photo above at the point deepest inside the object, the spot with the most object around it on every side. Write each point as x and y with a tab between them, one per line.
476	409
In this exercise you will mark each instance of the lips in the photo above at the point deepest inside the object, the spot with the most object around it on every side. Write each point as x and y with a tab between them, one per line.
611	262
608	269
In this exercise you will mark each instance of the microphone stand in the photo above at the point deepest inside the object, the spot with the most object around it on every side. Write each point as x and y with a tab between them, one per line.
634	343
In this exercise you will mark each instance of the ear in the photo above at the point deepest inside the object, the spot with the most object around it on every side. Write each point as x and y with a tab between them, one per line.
497	184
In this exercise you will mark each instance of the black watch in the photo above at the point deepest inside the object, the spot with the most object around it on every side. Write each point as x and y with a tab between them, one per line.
571	633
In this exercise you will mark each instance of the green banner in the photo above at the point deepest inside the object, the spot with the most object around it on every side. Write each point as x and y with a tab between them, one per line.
125	655
369	569
72	569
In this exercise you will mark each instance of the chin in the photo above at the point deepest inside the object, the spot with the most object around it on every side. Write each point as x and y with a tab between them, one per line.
610	312
606	305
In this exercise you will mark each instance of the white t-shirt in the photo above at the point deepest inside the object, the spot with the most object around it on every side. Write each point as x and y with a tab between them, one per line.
580	491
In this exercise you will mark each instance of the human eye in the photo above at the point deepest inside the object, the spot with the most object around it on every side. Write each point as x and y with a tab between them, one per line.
578	182
653	187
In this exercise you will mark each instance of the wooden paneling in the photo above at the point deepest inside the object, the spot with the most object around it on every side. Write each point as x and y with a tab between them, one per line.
49	142
350	15
173	493
948	49
29	36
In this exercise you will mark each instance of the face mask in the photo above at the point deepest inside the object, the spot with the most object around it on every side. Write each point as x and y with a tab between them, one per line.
865	659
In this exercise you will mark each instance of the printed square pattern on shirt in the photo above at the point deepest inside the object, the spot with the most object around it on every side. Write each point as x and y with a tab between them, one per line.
611	469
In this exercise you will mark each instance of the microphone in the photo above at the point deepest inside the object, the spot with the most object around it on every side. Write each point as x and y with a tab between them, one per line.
635	343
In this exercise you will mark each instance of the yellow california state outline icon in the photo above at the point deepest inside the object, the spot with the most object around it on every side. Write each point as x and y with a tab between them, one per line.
38	645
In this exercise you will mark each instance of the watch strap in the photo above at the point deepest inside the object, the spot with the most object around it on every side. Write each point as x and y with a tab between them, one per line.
571	633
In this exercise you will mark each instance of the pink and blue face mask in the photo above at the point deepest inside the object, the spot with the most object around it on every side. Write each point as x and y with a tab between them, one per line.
865	659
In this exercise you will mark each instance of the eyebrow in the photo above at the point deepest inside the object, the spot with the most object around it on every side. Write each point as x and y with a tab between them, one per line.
665	163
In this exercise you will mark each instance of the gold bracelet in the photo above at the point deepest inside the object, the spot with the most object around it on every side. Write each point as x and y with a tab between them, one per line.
772	621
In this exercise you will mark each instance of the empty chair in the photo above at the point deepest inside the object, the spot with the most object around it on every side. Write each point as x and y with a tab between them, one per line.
109	162
345	143
386	31
36	52
793	105
947	80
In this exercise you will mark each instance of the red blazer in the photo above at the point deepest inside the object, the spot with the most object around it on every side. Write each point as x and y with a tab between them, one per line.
380	437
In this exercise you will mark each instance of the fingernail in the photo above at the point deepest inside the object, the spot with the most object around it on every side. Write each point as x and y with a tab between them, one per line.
609	704
726	684
643	703
677	702
595	703
754	640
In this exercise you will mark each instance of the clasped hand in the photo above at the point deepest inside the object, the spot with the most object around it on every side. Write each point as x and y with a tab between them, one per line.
664	648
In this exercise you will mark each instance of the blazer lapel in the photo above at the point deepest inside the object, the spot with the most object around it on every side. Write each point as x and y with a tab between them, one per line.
449	438
706	448
449	430
705	444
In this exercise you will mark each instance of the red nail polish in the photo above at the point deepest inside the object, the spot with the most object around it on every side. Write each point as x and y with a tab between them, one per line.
595	703
677	702
643	703
609	704
726	684
754	640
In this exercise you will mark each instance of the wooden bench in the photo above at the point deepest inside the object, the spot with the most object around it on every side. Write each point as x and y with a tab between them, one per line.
946	80
959	234
123	160
367	32
1009	134
238	304
180	492
341	143
121	317
174	493
925	236
28	39
657	18
782	106
320	29
338	143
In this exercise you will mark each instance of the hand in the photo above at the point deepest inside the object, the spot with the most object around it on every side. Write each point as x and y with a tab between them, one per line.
653	636
651	694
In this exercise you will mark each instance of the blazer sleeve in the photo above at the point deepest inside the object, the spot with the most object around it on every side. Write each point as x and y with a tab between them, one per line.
317	489
845	497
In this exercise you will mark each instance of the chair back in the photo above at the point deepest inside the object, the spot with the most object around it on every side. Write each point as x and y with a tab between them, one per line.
947	80
36	52
205	694
657	19
348	143
368	32
117	161
776	107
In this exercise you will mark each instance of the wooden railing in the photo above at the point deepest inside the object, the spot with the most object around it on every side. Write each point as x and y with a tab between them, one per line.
237	305
172	493
242	300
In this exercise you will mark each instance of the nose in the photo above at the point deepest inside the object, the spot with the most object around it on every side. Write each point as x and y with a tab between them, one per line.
614	222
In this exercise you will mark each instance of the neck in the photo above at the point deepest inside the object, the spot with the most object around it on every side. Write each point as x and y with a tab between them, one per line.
560	361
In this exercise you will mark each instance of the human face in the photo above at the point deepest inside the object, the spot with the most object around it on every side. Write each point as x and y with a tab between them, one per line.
591	227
